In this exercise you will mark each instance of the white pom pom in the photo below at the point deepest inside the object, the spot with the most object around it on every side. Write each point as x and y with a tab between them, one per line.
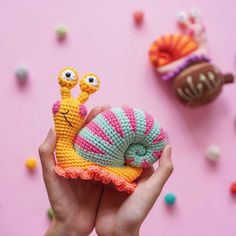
213	153
21	73
195	13
182	17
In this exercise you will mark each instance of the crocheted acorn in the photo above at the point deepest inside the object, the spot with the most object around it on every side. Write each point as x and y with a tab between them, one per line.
183	59
113	148
199	84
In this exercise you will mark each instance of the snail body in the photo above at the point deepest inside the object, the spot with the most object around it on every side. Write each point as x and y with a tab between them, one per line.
112	148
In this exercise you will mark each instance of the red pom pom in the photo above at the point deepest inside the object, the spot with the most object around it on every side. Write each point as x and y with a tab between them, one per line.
138	17
233	188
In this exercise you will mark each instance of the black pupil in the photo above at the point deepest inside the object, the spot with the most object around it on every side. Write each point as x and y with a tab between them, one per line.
68	74
91	80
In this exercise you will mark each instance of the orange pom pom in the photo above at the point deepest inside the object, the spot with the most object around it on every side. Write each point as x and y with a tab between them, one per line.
31	163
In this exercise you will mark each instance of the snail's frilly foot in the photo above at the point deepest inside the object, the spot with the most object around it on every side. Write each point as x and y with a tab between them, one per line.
97	173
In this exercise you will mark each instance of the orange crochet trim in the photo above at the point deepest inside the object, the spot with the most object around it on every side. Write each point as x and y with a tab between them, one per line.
97	174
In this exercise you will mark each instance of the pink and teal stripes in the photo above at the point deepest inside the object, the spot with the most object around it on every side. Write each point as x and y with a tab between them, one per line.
121	136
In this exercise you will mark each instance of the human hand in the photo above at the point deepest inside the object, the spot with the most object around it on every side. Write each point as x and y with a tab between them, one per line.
74	202
123	214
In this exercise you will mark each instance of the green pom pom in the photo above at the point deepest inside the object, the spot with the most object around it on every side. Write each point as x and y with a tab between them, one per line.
50	213
61	31
170	198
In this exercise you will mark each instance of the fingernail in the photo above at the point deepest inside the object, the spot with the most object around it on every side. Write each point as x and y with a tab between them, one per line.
167	151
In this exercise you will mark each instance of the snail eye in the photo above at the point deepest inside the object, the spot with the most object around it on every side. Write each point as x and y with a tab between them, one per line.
92	80
68	75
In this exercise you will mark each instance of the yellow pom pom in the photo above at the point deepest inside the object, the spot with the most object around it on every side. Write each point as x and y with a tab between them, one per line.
31	163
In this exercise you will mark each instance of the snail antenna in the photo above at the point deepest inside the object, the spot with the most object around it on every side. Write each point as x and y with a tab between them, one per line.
89	84
68	78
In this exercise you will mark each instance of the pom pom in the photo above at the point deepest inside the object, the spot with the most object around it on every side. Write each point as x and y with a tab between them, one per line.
233	188
50	213
138	17
61	31
31	163
182	19
170	198
21	73
213	153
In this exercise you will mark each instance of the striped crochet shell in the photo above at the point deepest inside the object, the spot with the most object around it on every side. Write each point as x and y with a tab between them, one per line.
121	136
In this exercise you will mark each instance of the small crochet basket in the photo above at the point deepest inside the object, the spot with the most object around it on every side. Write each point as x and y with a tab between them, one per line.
112	148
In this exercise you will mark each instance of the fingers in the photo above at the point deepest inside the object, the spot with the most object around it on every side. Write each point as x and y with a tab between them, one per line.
57	187
161	175
147	192
166	167
154	184
147	172
95	111
46	151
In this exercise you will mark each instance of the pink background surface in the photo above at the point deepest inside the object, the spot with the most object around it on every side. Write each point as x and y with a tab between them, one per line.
102	38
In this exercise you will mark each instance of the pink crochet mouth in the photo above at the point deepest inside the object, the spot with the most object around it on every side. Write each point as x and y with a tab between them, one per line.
97	174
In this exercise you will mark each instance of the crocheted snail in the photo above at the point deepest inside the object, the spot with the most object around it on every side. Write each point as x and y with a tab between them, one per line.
183	59
113	148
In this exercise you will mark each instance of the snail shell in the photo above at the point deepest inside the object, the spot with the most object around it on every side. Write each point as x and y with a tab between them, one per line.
170	48
121	136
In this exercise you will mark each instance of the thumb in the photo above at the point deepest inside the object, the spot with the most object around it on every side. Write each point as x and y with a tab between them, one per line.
161	175
165	168
165	163
46	152
152	187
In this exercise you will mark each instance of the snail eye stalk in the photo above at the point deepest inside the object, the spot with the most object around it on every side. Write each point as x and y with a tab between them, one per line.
89	84
68	78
